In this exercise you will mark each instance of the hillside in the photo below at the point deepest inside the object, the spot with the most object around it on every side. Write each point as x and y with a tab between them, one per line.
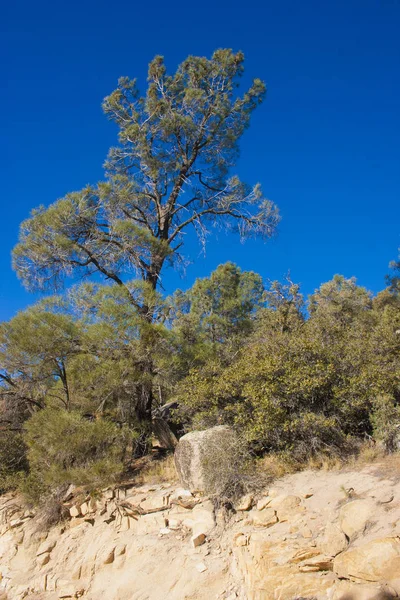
315	534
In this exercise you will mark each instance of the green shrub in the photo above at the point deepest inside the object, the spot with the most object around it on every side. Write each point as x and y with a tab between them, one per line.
64	448
386	422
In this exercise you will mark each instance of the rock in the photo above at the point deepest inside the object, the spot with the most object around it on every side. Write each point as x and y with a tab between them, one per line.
43	559
375	561
275	498
334	540
288	507
124	524
263	562
84	509
204	513
354	516
201	567
198	539
265	566
74	511
38	583
304	554
46	546
201	521
69	494
65	588
345	590
187	503
19	537
105	556
111	507
174	523
288	502
264	518
76	572
306	533
109	558
120	549
241	540
245	503
317	563
164	531
76	522
151	523
263	502
154	502
179	494
108	494
16	523
199	454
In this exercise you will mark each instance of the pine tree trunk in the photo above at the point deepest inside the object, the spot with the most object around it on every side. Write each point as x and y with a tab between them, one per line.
144	412
145	393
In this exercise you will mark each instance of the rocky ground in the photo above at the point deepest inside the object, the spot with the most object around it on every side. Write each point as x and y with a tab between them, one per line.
315	534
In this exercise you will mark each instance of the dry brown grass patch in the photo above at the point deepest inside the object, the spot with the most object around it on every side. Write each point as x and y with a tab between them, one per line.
276	466
160	470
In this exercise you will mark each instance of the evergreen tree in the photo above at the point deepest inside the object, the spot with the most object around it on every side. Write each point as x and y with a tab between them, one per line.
170	173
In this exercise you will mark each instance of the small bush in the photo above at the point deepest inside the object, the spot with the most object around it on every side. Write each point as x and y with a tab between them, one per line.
64	448
230	469
368	453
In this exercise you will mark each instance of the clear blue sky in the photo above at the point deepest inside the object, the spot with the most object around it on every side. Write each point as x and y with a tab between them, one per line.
325	144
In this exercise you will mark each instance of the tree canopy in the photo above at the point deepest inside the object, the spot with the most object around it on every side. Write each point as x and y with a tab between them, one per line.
170	172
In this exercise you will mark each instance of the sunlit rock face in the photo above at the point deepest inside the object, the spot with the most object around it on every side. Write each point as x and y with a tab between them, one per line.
305	536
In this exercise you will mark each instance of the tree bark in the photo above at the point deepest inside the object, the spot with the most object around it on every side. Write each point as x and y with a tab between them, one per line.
145	398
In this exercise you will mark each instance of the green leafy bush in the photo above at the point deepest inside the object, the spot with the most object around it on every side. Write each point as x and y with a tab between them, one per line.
64	447
386	422
309	386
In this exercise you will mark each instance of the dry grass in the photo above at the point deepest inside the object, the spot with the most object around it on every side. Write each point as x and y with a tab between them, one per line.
369	453
325	463
363	454
387	466
158	471
279	465
276	466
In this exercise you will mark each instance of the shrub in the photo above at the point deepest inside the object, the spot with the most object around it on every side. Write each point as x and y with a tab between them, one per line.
310	435
229	468
386	422
64	448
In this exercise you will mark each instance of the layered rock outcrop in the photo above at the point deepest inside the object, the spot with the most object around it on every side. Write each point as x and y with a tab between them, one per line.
312	535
